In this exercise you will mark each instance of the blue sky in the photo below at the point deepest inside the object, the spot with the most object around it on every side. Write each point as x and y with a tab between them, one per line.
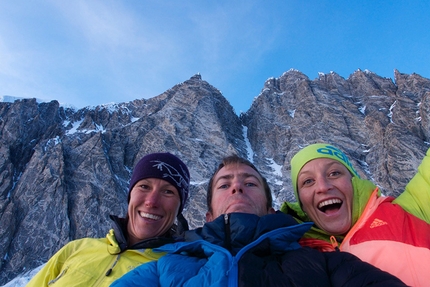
101	51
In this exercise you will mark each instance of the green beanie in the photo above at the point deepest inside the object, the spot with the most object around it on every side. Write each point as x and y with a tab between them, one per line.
320	150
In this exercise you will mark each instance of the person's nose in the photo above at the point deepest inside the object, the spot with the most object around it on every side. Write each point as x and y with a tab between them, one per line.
236	187
323	185
152	198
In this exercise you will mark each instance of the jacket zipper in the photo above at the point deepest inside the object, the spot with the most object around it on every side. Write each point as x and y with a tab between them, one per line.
371	203
227	240
113	265
59	276
334	243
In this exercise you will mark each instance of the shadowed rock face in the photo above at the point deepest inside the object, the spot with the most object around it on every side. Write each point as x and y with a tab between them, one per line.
63	171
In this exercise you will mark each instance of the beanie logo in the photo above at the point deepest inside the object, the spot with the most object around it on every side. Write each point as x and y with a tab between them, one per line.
334	152
172	173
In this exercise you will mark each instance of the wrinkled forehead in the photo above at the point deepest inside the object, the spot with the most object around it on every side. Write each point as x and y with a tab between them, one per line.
236	170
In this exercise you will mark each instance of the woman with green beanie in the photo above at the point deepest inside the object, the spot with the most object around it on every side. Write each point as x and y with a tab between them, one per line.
350	214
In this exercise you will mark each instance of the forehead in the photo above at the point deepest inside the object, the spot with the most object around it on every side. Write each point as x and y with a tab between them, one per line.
236	169
155	182
320	164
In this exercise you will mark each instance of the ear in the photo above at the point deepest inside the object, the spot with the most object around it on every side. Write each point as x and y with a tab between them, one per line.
271	211
209	216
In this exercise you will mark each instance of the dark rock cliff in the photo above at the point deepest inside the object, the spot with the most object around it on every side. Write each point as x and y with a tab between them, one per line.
63	171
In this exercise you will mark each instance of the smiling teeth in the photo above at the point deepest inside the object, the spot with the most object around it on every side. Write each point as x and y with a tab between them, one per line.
328	202
150	216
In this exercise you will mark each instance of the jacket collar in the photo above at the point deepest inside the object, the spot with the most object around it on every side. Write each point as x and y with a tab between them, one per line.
119	226
236	230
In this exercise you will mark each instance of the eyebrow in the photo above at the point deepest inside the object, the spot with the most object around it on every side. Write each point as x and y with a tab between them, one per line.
329	165
147	181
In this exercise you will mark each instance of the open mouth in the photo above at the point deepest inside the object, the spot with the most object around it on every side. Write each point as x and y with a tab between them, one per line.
149	216
330	206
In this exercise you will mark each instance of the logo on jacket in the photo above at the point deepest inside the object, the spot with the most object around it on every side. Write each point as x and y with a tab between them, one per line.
377	222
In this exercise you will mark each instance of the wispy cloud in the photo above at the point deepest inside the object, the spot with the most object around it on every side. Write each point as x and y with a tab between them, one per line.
93	52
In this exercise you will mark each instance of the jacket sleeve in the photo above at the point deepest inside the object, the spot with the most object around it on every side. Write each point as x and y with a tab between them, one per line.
52	268
346	269
416	197
144	275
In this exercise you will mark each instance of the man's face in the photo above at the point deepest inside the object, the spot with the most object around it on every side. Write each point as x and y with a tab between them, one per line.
237	188
326	193
154	204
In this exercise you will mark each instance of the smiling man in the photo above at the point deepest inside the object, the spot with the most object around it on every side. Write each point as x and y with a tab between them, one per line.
158	190
245	243
351	215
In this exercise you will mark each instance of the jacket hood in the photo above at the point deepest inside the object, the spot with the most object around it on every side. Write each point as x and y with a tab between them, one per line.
363	189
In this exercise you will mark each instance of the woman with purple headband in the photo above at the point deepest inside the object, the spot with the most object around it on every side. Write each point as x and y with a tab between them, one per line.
350	214
158	190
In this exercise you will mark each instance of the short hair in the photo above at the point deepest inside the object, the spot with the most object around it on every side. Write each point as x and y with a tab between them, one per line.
235	159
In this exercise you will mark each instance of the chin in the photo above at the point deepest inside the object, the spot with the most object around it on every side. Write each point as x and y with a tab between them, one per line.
337	231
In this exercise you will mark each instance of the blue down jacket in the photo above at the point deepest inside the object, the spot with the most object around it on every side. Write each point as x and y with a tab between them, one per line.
246	250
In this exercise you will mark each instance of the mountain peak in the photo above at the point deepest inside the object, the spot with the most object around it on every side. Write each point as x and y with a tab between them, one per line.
64	170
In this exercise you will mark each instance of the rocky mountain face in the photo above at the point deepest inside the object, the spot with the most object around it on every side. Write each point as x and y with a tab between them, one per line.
63	171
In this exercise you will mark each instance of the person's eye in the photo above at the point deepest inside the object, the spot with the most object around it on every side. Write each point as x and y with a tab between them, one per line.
223	186
144	186
169	192
250	184
307	182
335	173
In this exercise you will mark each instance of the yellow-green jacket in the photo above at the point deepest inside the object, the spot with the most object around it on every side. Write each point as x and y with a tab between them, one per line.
96	262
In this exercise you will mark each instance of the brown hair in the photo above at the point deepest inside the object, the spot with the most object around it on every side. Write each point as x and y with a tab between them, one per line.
235	159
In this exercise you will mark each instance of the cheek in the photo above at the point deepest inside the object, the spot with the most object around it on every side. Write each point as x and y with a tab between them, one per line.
130	205
176	208
350	199
215	204
218	198
135	201
305	197
306	202
263	199
348	190
172	206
